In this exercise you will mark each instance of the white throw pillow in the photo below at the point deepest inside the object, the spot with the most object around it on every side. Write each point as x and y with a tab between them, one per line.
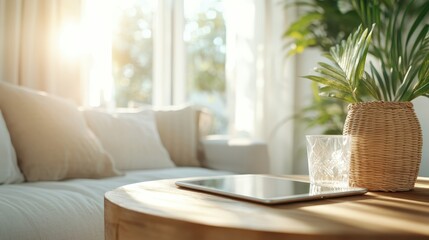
9	171
131	138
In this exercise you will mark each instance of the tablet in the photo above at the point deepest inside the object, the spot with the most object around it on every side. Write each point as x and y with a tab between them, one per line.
267	189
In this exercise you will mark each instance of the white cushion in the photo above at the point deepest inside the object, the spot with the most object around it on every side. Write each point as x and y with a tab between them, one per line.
9	171
131	138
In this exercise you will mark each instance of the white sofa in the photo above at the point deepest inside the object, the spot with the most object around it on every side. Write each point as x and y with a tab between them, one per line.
72	207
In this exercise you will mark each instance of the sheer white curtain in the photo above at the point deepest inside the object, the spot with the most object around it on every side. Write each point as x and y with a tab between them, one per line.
261	80
38	47
169	54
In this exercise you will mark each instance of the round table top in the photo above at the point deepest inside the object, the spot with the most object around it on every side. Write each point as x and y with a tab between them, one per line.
375	214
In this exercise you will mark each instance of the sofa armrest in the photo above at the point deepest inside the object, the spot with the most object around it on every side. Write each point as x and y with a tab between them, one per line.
235	155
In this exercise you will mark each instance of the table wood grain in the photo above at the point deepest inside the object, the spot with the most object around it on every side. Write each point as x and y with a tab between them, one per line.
161	210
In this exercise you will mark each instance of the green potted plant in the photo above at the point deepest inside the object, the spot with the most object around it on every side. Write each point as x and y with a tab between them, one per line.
322	24
387	139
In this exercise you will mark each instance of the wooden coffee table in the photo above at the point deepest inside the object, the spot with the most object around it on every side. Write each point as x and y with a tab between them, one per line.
160	210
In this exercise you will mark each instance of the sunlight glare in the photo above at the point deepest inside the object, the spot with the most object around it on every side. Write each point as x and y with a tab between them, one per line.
70	40
98	37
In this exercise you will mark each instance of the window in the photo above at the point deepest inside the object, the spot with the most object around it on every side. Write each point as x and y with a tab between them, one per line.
204	36
132	52
169	52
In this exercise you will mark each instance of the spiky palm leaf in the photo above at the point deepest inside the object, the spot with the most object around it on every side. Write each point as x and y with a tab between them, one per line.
343	79
400	48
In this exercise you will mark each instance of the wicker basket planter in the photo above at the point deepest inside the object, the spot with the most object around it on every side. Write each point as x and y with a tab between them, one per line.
386	147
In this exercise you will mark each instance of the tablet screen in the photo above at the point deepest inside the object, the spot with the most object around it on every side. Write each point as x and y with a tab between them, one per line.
266	188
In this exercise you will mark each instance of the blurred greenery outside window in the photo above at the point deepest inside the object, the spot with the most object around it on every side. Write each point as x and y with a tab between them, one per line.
203	40
132	51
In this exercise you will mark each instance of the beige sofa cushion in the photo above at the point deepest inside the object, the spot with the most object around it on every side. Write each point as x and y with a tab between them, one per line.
178	127
131	138
51	138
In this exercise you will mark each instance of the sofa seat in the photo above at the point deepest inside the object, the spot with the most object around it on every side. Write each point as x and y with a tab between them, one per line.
71	209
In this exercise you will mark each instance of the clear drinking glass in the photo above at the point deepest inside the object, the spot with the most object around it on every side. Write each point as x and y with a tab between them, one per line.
329	159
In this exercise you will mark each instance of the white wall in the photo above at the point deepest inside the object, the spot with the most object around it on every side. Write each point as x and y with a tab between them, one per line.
305	65
421	106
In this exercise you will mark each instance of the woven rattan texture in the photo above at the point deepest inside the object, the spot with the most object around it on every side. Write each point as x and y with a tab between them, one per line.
386	145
